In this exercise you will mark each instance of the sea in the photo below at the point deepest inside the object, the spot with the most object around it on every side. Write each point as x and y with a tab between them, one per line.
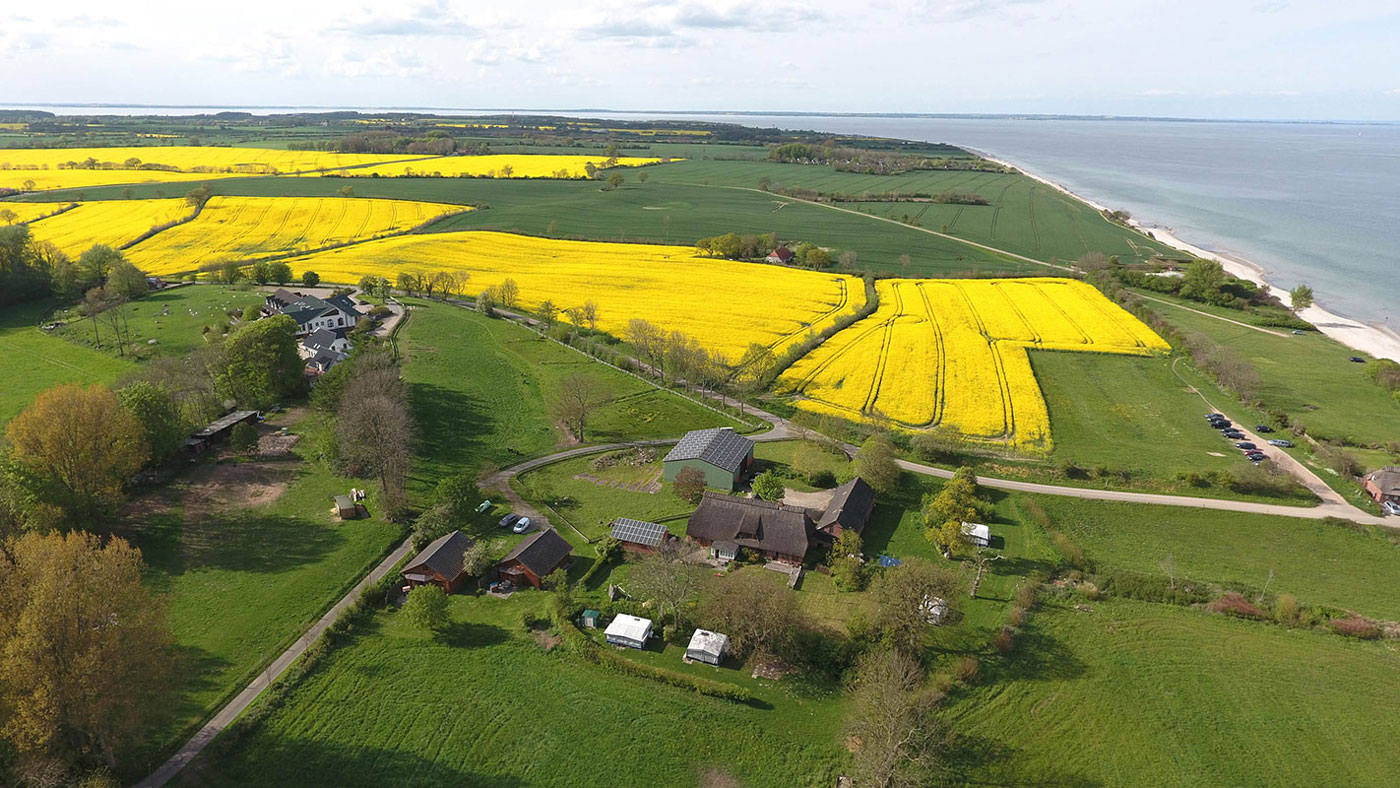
1314	203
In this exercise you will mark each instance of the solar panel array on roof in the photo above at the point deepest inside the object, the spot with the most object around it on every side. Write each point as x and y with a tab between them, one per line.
638	532
721	447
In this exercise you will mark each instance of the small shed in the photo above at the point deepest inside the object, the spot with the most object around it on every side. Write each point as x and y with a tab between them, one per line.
629	631
591	618
346	508
639	536
977	534
708	647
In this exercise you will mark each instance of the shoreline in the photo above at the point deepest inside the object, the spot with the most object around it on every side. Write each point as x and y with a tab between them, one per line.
1376	340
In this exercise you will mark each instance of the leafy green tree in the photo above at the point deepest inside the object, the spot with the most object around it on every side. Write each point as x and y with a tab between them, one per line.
1301	297
689	485
809	461
768	486
244	438
944	513
155	408
426	608
97	263
310	278
847	564
231	271
279	272
906	597
875	463
614	180
1202	280
260	272
260	364
251	313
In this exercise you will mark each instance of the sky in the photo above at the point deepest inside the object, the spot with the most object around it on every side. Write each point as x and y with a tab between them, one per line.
1256	59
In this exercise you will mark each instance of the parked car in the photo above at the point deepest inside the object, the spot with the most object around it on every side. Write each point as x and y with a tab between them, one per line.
1254	453
1358	360
509	520
1210	416
1233	435
1281	443
1391	507
1263	428
1246	445
486	504
1221	424
521	526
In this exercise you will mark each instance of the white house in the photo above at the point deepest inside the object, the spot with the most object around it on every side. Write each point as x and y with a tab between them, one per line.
629	631
706	646
977	534
312	313
321	341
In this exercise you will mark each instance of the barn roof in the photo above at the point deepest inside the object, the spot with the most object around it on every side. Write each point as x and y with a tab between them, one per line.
540	552
721	447
443	555
751	522
626	529
850	506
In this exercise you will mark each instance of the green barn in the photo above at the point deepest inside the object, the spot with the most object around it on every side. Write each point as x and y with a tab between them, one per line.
720	453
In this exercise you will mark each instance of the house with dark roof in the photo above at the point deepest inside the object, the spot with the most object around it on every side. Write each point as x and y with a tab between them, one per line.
312	313
440	563
1384	485
720	453
638	536
849	509
780	255
323	349
775	531
534	558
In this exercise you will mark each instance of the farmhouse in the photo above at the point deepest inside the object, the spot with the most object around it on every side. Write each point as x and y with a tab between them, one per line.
706	646
1384	484
312	313
776	531
638	536
323	349
629	631
535	557
440	563
780	255
850	507
720	453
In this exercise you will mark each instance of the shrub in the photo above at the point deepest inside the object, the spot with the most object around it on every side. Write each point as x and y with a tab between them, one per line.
1004	640
1355	627
1026	591
967	670
1090	591
1016	616
768	486
1070	553
689	485
1286	610
1233	604
1149	588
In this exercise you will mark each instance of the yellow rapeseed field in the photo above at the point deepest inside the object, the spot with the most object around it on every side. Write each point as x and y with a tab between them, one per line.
29	211
70	168
250	227
111	222
505	165
724	305
953	352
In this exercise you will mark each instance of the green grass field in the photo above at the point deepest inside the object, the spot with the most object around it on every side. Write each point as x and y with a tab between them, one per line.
36	361
592	507
248	556
1025	216
1308	375
653	212
1320	564
174	318
480	386
1129	693
483	705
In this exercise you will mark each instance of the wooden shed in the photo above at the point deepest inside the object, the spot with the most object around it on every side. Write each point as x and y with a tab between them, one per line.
346	508
539	554
440	563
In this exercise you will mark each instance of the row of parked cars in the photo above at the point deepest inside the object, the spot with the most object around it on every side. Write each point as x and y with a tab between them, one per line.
1252	452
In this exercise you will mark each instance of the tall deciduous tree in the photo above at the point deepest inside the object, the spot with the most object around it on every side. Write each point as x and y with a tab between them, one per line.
83	442
1301	297
155	408
85	650
944	513
759	617
665	580
426	608
907	597
576	398
261	365
874	463
892	722
374	427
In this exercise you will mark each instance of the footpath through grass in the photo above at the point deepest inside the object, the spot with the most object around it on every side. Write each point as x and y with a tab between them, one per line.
1126	693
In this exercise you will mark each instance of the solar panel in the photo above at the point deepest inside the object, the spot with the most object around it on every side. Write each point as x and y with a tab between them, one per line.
638	532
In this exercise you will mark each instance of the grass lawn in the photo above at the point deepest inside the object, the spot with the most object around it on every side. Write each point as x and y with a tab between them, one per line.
1314	561
35	361
1307	375
175	318
592	507
483	705
248	555
1131	693
777	456
480	388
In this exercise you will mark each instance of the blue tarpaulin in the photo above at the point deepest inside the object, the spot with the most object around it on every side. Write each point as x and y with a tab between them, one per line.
889	560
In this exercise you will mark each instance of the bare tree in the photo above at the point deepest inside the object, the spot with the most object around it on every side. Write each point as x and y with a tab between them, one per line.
374	428
759	616
666	580
908	596
575	400
892	723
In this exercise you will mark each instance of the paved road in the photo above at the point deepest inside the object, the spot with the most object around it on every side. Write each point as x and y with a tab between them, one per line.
244	699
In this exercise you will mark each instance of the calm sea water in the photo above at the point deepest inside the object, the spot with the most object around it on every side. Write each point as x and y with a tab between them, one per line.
1314	203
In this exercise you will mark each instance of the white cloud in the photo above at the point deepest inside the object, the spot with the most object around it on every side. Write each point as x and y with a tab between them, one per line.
394	62
430	18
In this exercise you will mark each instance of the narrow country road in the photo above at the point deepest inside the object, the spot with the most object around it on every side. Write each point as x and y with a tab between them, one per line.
244	699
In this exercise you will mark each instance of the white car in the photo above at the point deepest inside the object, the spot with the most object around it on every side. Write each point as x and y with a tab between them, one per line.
1391	507
521	526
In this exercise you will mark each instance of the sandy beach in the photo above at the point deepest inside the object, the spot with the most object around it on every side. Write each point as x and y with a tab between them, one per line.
1375	340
